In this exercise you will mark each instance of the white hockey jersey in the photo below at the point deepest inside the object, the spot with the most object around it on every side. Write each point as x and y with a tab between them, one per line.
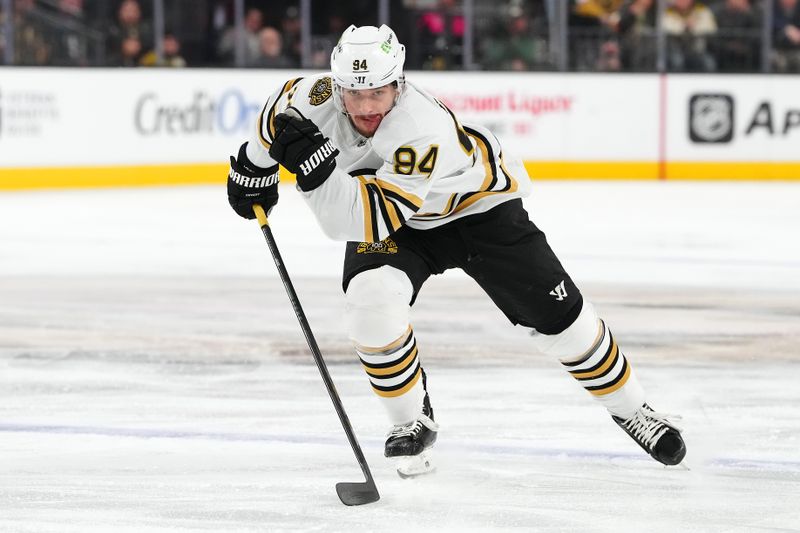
422	168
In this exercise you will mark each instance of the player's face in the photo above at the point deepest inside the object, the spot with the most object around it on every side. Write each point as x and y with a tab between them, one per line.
367	107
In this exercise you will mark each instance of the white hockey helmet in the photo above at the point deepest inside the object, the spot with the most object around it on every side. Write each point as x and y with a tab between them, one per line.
367	57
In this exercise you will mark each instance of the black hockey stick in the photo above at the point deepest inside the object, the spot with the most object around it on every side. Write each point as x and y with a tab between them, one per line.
349	493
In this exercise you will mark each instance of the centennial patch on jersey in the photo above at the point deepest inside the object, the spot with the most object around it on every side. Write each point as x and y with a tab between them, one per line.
386	246
321	91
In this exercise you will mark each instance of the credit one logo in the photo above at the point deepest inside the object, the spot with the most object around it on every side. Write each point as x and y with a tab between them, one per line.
711	118
229	113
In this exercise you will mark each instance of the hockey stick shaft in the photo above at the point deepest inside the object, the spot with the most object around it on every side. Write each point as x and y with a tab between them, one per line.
349	493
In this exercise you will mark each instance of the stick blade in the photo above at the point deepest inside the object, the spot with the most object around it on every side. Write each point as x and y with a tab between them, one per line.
357	493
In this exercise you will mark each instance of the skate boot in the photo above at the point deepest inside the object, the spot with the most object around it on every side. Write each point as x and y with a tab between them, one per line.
407	444
655	434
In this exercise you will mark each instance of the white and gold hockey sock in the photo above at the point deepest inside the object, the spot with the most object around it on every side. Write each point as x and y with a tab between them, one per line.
589	353
395	374
605	372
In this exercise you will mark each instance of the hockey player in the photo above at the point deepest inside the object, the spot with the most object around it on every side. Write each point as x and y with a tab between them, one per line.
388	168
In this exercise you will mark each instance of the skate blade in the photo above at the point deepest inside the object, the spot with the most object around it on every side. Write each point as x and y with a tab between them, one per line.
414	466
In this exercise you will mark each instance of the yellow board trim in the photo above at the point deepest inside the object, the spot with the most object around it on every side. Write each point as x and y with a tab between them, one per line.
733	171
74	177
118	176
652	170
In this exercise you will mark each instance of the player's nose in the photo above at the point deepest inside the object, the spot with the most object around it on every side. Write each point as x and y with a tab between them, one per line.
366	107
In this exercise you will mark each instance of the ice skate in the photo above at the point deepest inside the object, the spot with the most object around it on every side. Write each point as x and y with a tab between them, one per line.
408	444
655	434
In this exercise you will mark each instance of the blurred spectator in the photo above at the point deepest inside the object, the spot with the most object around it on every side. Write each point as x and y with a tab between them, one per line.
130	36
515	48
610	58
321	45
272	55
218	17
786	36
441	36
171	56
739	30
637	32
598	13
69	45
688	24
593	27
71	7
31	46
226	49
292	41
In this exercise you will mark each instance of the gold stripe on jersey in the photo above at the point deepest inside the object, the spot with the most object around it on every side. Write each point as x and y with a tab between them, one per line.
446	211
260	127
395	215
512	183
369	191
399	194
491	176
293	91
369	218
270	115
380	199
463	138
385	207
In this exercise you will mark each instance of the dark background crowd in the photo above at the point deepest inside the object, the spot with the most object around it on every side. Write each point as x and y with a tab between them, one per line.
522	35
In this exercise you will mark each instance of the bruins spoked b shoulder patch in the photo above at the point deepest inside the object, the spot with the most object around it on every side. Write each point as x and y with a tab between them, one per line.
321	91
386	246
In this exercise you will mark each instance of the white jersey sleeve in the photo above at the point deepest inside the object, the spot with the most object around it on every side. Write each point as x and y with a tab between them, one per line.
261	140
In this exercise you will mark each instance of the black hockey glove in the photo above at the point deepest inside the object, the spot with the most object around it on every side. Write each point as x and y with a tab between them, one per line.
301	148
249	184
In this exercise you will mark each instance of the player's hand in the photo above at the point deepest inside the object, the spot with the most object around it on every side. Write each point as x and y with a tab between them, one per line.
249	184
301	148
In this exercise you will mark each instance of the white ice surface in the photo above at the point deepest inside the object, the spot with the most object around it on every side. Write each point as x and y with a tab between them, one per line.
153	376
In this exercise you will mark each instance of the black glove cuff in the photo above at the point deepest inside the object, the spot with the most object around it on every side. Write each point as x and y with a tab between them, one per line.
310	183
318	175
250	168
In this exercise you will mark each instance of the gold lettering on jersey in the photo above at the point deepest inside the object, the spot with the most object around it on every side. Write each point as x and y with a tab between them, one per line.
386	246
321	91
